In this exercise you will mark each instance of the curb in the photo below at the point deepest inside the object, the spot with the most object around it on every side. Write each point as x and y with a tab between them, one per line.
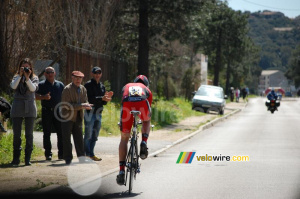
154	154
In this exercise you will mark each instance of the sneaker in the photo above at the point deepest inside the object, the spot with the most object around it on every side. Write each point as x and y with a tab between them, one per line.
15	163
143	151
68	161
48	157
121	178
27	163
95	158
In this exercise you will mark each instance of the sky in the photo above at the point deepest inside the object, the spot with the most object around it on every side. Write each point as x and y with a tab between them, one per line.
290	8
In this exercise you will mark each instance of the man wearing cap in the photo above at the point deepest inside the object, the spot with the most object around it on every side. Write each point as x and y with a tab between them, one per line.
74	101
92	118
49	93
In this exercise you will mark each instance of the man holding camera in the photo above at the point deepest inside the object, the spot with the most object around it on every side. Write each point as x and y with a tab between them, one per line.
49	92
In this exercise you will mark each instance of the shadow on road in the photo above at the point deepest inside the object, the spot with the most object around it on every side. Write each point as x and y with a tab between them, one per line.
120	195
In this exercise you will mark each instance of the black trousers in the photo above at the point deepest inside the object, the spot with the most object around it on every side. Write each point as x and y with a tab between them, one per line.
17	127
50	121
72	128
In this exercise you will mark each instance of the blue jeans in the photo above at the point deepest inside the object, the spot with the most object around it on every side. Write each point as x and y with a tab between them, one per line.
92	124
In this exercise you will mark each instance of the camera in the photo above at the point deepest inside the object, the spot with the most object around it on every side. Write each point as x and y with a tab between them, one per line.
26	69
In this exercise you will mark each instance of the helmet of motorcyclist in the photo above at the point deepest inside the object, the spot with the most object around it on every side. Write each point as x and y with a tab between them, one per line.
141	79
272	92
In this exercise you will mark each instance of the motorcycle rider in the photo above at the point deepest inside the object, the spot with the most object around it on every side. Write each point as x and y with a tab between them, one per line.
272	96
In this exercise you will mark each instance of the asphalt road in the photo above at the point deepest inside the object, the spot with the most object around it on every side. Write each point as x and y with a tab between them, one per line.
271	141
273	171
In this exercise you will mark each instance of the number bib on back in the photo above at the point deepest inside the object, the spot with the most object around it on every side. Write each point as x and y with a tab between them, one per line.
135	93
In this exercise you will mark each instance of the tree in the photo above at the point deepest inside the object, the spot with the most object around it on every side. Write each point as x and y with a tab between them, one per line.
42	29
23	33
293	71
235	38
143	48
158	22
214	38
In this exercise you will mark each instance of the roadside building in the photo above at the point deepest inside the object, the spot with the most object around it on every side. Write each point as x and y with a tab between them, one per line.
273	78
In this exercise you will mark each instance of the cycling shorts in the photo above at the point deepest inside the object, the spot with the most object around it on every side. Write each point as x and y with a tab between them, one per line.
127	118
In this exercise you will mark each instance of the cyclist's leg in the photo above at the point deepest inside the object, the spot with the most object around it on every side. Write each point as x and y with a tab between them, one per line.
146	118
125	127
123	146
145	135
146	128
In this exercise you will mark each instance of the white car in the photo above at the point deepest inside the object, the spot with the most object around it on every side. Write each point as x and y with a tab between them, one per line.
209	98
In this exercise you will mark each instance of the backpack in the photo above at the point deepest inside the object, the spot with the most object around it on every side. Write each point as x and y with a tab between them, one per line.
5	107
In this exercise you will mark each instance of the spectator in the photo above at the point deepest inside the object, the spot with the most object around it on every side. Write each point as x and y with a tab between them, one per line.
25	83
244	93
247	90
50	91
231	94
74	100
237	94
5	108
92	118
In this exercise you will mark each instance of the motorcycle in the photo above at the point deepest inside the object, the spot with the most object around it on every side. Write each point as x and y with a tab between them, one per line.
272	105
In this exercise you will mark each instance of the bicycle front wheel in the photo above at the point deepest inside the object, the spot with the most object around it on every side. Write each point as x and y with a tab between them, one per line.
132	169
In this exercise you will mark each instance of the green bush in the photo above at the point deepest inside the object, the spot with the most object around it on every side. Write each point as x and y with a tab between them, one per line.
6	149
38	121
110	119
163	113
168	112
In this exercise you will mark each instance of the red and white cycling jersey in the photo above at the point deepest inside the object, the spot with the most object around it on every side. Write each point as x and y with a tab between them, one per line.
136	96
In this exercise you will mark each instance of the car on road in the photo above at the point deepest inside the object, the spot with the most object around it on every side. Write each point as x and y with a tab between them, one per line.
288	94
209	98
279	96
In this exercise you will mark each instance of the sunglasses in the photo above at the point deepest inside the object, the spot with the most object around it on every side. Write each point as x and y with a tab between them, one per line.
97	73
49	72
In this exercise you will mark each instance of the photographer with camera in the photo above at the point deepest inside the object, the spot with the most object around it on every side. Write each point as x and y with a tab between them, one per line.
24	83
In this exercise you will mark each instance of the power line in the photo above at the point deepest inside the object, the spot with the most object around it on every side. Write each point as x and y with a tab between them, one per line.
271	7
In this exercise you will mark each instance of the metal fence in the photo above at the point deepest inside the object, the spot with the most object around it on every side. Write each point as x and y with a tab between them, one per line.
113	70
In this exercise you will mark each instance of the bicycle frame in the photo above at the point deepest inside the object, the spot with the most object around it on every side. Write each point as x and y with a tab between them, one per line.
132	158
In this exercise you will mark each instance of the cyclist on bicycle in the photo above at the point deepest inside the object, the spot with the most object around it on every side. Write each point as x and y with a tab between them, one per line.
136	96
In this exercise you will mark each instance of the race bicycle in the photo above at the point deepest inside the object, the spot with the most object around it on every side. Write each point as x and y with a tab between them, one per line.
132	158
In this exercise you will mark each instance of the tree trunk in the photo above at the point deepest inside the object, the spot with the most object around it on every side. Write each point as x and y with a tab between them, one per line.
192	56
227	77
143	50
3	60
218	59
166	86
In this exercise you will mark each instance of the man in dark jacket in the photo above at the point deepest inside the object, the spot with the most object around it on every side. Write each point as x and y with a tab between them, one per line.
5	107
49	92
92	118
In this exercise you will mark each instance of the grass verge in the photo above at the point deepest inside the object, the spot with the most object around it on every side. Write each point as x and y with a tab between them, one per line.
6	149
163	113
